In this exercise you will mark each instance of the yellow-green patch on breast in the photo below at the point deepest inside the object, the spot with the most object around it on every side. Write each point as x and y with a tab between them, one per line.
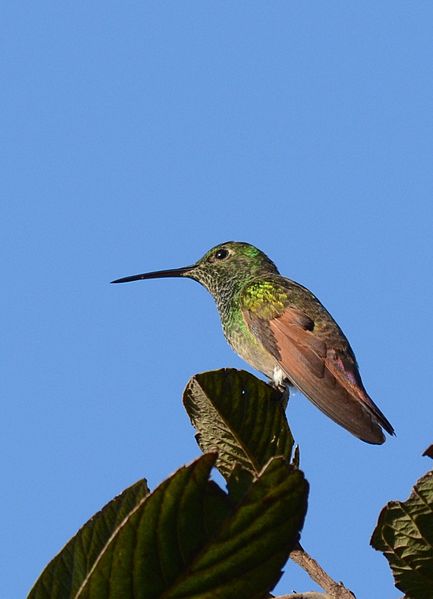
264	298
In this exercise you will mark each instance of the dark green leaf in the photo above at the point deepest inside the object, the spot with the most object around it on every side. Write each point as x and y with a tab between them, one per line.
245	557
240	417
186	540
158	539
405	535
65	573
239	482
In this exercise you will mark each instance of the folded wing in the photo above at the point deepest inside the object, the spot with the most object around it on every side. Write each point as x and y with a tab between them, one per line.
327	375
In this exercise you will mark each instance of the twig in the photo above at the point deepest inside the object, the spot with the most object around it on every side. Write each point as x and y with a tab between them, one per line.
311	595
336	590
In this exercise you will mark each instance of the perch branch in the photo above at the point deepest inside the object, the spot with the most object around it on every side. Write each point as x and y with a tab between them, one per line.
336	590
311	595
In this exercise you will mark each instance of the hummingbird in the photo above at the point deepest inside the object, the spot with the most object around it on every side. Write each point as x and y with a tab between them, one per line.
281	329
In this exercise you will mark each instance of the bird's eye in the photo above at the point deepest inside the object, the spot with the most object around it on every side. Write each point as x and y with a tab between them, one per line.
221	254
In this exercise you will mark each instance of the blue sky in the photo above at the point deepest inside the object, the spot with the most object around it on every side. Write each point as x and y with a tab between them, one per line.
134	137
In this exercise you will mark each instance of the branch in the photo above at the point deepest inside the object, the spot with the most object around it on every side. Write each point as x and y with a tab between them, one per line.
336	590
312	595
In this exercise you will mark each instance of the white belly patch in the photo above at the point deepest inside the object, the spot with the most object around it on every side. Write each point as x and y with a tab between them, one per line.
278	376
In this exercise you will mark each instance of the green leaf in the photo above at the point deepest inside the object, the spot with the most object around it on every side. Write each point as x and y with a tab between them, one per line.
65	573
245	556
240	417
188	540
405	535
156	542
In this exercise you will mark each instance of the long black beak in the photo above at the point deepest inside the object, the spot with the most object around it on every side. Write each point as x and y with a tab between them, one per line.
158	274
